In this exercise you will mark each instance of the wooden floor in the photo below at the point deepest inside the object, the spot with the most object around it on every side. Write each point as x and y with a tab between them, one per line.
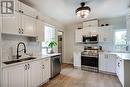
71	77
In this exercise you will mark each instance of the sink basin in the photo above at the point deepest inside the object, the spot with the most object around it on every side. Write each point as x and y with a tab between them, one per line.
29	58
13	61
21	60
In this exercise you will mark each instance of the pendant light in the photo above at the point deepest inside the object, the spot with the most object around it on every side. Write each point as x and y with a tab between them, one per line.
83	11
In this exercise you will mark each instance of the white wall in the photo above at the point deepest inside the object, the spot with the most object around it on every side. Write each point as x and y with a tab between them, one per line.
71	46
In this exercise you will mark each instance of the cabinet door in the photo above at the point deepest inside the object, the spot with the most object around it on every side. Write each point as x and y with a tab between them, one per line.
28	25
34	73
77	59
94	30
15	76
27	10
121	70
10	23
79	35
40	30
46	71
87	31
105	34
102	62
111	63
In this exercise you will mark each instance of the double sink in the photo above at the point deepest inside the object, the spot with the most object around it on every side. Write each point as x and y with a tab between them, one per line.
20	60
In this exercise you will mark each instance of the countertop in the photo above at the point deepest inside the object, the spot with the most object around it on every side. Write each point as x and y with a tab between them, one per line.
124	56
37	58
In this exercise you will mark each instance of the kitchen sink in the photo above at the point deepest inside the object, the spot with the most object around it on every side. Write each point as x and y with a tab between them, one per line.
11	62
20	60
29	58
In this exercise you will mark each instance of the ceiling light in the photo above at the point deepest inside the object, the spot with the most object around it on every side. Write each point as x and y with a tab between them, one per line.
83	11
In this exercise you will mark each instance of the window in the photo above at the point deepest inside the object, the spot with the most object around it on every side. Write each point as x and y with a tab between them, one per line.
121	40
49	35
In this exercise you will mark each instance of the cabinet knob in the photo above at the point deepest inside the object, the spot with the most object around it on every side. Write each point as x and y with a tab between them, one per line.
20	11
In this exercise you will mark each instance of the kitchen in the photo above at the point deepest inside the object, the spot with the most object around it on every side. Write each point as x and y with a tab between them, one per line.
43	48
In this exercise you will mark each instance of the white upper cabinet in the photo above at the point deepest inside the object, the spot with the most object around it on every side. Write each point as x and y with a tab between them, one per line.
105	34
28	25
27	10
92	23
10	23
90	31
40	30
20	23
79	35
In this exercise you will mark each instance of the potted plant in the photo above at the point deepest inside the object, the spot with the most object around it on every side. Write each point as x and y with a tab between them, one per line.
52	44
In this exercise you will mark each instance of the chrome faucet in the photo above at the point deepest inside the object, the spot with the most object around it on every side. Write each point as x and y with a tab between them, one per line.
20	43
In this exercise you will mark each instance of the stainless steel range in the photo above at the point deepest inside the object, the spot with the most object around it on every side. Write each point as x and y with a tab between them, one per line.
89	59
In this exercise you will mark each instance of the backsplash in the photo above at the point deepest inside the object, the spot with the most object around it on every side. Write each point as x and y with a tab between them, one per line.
9	46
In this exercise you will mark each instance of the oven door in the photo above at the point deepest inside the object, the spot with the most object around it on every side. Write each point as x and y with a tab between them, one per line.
89	61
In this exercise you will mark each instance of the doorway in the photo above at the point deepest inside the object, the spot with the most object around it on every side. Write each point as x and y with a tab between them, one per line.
60	43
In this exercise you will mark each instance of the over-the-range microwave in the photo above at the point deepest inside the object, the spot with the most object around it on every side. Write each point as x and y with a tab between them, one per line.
90	39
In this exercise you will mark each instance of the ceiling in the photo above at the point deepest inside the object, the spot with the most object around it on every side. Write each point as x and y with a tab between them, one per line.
64	10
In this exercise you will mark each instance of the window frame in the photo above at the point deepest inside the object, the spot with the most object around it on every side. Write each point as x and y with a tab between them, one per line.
48	25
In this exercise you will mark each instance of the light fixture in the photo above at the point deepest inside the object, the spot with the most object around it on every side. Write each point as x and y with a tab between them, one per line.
83	11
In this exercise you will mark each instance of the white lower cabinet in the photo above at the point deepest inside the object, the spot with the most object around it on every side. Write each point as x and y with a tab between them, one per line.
15	76
77	59
120	70
46	69
107	62
35	73
31	74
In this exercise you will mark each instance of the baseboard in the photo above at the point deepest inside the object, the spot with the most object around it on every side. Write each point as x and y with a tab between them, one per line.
68	62
76	67
110	73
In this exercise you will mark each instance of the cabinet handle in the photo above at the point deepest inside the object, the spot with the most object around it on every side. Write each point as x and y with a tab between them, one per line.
118	64
43	67
19	30
22	11
25	67
28	66
22	31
